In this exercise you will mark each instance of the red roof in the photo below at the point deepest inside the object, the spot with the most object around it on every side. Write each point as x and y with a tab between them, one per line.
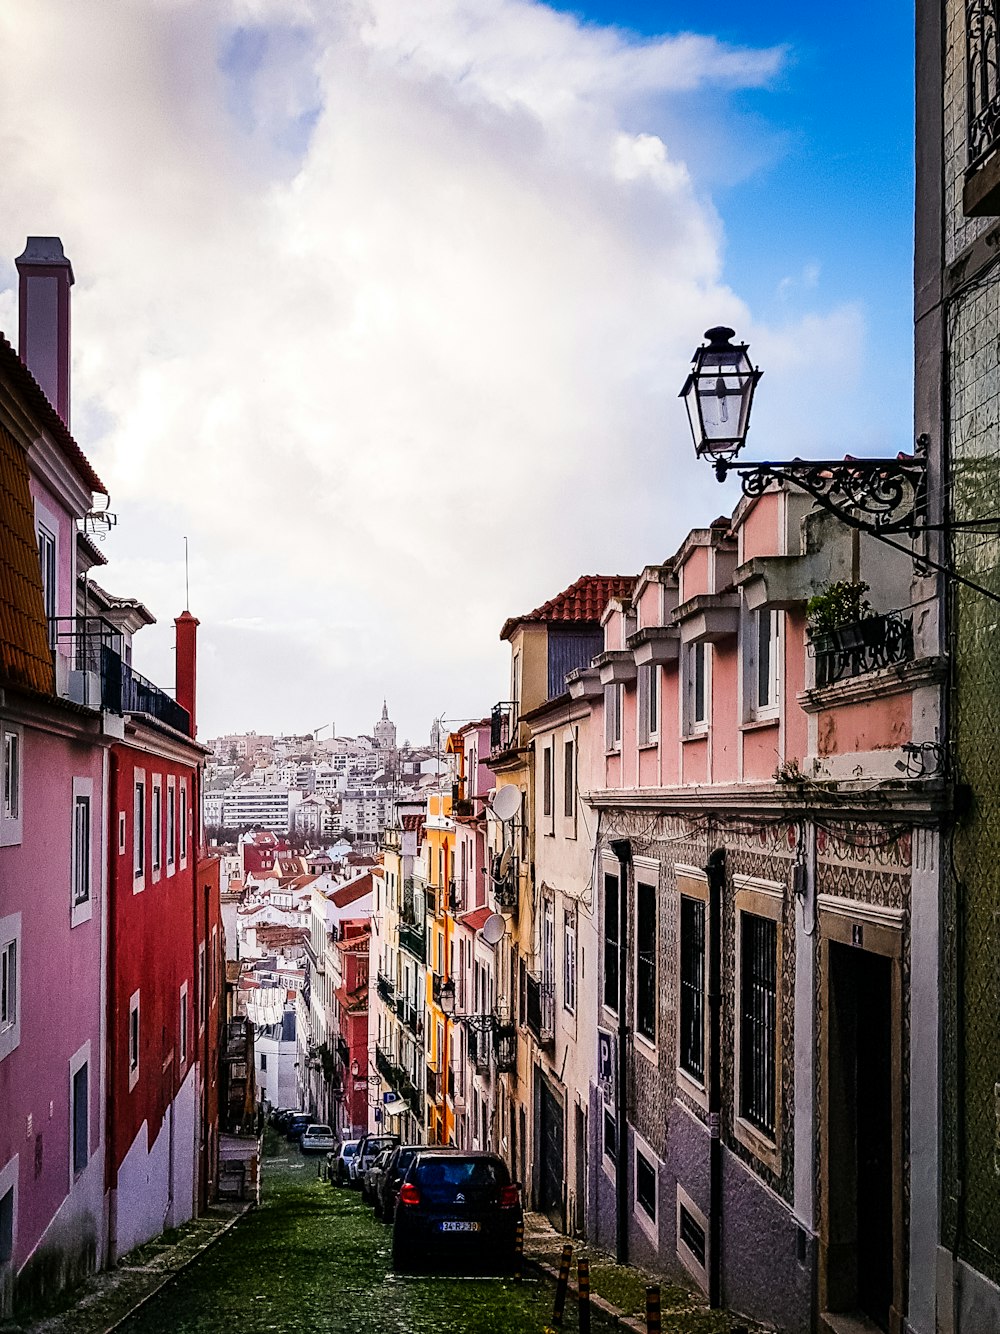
582	602
413	822
475	920
357	889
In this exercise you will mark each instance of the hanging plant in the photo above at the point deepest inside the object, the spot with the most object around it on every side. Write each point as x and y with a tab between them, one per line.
839	604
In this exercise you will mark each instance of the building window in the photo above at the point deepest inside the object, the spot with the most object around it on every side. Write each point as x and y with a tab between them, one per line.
611	930
8	986
171	822
695	688
133	1040
11	775
547	781
263	1055
569	780
202	989
81	1119
569	961
7	1226
758	1020
139	829
122	833
645	1184
184	822
645	960
81	861
184	1024
48	563
762	663
610	1136
613	718
647	686
692	988
157	831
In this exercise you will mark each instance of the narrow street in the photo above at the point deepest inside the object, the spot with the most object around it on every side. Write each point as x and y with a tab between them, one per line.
313	1258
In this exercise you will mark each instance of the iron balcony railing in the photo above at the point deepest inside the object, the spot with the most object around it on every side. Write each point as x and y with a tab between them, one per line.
436	981
385	988
863	646
540	1010
432	1082
982	37
388	1069
503	720
478	1046
505	1043
457	894
413	939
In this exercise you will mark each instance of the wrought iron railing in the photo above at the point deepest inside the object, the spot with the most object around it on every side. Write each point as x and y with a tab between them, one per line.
478	1046
432	1082
505	1043
457	894
863	646
503	721
540	1010
413	939
982	81
385	988
436	983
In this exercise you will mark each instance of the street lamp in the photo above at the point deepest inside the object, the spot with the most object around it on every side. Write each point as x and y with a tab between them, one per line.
446	997
719	394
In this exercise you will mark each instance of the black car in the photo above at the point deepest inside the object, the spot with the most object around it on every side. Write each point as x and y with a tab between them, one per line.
296	1124
387	1189
454	1204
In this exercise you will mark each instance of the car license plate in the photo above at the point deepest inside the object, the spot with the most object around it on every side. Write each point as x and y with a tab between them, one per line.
459	1225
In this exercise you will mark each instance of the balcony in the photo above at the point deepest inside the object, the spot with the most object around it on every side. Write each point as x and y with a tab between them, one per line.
433	1083
98	677
413	939
478	1046
505	1044
540	1016
503	727
436	981
457	894
408	1014
385	988
863	646
393	1074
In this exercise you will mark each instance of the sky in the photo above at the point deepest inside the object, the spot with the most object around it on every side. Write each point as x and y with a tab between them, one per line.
384	305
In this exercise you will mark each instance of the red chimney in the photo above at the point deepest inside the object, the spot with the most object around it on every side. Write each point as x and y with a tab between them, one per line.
187	664
46	277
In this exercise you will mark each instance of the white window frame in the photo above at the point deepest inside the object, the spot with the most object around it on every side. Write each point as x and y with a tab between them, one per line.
134	1047
156	829
10	935
765	899
692	883
651	1226
647	874
754	710
613	719
82	871
569	959
9	1178
171	823
183	1026
548	786
122	833
570	760
48	523
693	724
698	1271
202	987
12	811
140	852
648	703
80	1058
185	830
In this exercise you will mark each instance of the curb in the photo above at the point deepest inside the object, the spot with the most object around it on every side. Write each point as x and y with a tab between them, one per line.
602	1304
169	1278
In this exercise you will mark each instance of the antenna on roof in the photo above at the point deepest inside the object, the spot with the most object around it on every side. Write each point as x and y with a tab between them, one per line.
187	582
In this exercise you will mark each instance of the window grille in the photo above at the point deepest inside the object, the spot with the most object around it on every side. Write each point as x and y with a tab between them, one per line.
758	1013
645	1184
692	998
611	921
645	961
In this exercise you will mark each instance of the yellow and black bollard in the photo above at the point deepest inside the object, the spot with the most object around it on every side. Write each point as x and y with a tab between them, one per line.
561	1285
519	1251
653	1309
583	1283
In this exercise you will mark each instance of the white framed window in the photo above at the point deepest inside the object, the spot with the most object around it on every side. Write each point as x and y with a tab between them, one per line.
183	1026
48	559
122	833
612	718
202	989
184	823
156	828
171	823
134	1039
569	780
761	663
82	852
11	814
645	975
648	699
692	1238
139	830
547	796
696	688
8	1210
79	1112
646	1186
692	1025
10	983
569	960
757	1125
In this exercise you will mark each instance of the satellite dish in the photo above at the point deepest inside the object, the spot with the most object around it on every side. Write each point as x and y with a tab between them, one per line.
506	857
494	929
507	802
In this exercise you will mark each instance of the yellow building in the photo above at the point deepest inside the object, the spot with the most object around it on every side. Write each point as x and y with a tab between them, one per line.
440	1037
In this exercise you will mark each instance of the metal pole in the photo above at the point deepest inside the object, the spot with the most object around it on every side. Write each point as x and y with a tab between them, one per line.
583	1285
653	1309
519	1251
561	1285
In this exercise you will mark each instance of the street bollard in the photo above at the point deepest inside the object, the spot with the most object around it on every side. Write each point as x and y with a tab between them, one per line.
653	1309
519	1251
583	1284
561	1285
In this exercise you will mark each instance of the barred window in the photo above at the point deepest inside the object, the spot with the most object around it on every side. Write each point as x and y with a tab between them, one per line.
611	926
645	1184
610	1136
692	980
645	960
758	1015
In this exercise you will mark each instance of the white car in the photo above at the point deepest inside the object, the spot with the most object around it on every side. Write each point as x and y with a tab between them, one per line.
317	1139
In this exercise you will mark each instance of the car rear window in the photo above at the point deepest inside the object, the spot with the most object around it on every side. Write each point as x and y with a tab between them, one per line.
377	1145
349	1150
318	1130
462	1172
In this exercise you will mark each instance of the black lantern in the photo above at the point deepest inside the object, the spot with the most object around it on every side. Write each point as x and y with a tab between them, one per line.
447	997
719	393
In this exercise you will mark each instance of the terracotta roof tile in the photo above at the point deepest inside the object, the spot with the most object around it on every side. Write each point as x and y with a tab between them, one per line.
475	919
25	659
584	601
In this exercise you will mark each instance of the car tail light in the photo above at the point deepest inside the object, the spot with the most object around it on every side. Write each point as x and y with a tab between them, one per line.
509	1196
409	1194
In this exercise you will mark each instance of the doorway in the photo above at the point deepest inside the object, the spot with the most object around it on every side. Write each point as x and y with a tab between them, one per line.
551	1157
859	1177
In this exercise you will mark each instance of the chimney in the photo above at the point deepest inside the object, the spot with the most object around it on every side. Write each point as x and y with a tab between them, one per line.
46	277
187	664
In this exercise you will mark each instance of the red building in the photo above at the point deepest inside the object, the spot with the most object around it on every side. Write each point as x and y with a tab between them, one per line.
350	1021
165	960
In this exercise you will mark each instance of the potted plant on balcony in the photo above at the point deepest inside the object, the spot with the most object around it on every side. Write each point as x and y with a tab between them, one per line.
836	617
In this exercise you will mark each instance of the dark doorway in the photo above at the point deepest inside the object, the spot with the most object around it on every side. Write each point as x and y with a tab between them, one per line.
551	1157
860	1140
580	1216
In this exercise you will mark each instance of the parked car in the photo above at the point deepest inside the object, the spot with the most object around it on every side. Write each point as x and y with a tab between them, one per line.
338	1163
317	1139
297	1124
369	1147
371	1178
456	1204
281	1117
392	1178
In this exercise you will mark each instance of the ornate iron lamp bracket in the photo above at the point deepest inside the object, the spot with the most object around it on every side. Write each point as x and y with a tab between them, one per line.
876	495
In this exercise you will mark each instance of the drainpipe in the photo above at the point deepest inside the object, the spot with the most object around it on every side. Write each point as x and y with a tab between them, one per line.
622	849
716	872
111	1085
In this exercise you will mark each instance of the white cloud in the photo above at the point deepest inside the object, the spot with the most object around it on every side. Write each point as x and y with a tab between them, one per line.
385	306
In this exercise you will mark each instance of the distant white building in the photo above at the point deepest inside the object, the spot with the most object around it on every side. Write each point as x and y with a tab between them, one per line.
274	1061
266	807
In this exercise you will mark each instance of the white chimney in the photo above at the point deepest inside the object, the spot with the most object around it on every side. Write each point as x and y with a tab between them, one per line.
46	277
